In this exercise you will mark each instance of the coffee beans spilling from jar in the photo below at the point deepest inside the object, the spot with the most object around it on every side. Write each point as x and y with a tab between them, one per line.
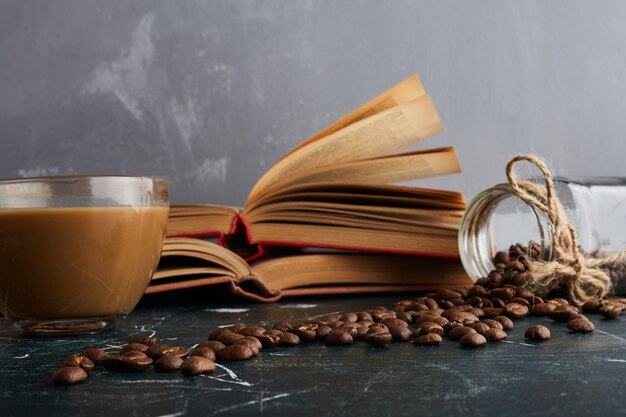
473	317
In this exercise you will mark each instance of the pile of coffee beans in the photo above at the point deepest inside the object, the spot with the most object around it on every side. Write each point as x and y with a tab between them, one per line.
473	317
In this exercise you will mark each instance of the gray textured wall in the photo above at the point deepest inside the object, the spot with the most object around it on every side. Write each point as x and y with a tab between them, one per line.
210	93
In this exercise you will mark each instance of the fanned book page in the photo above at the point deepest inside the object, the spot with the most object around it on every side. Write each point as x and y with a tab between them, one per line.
336	189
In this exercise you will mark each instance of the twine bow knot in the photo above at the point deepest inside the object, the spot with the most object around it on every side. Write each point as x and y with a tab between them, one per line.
583	277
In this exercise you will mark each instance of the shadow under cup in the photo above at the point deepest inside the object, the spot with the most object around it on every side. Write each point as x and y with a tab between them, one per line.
77	253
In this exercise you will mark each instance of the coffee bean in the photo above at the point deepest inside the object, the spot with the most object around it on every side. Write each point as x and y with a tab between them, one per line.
81	361
477	291
515	310
494	324
394	322
495	280
424	318
472	340
505	293
349	318
591	306
363	315
214	345
445	294
227	337
95	355
168	363
376	328
283	326
563	314
140	347
322	331
252	331
253	346
144	340
501	257
492	312
204	352
179	351
481	328
478	312
237	327
559	302
429	327
137	364
400	334
306	332
406	317
338	337
495	335
351	328
238	352
520	300
430	339
542	309
288	338
378	339
610	311
459	332
483	282
428	302
133	354
537	332
378	315
114	363
69	375
506	322
580	326
462	317
269	340
273	332
156	351
196	365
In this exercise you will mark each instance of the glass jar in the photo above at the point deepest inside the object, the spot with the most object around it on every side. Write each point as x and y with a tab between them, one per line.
496	218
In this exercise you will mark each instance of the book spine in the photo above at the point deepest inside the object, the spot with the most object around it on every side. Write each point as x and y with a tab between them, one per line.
239	240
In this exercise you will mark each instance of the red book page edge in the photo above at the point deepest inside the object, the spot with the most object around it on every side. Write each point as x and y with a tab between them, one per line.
240	222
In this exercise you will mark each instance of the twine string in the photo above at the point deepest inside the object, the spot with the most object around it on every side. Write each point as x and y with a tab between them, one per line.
582	277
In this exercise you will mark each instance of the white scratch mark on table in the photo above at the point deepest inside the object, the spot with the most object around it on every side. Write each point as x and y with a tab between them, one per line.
234	378
109	347
298	306
178	413
149	381
260	401
227	310
22	357
612	335
616	360
377	377
519	343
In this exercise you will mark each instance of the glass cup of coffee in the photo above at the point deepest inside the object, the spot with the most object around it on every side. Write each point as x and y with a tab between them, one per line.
77	253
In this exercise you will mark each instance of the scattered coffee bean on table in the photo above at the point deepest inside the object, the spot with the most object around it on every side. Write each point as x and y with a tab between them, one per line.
197	365
472	316
69	375
537	332
472	340
581	325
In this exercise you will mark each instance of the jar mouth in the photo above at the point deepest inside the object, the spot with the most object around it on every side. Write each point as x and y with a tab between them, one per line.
485	228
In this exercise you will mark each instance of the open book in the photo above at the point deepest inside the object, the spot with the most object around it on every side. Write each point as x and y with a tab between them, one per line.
189	263
334	191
